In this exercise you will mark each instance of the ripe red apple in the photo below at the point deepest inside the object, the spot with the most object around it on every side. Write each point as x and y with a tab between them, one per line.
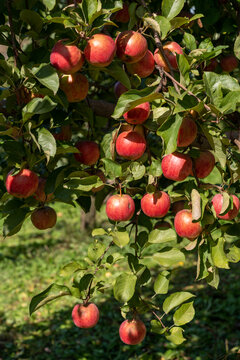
156	204
40	194
185	227
187	132
129	127
170	49
119	89
217	202
120	207
131	46
23	184
75	86
89	152
144	67
85	316
211	66
204	164
101	175
177	206
122	16
67	59
130	145
100	50
176	166
162	225
229	63
132	332
44	218
138	115
64	133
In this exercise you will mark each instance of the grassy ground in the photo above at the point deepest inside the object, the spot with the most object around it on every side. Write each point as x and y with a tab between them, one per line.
30	261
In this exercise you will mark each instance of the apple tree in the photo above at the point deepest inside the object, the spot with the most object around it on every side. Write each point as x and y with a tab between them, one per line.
132	106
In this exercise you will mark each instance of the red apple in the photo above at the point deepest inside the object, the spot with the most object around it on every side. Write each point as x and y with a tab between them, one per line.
156	205
89	152
122	16
131	46
75	87
204	164
217	202
119	89
40	194
176	166
67	59
100	50
85	316
170	49
44	218
132	332
23	184
162	225
138	115
185	227
129	127
120	207
211	66
64	133
177	206
187	132
144	67
229	63
130	145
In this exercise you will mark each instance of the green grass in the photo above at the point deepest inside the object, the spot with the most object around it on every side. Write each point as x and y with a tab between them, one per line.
29	262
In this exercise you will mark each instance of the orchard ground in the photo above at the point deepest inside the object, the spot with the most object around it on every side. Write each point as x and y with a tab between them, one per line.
30	261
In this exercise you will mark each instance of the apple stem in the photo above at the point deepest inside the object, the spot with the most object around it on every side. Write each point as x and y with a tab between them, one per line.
120	188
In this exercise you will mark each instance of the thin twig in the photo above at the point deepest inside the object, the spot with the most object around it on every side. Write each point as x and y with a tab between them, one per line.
159	319
12	32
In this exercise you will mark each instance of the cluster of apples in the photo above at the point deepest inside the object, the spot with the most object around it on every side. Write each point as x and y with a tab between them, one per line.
131	332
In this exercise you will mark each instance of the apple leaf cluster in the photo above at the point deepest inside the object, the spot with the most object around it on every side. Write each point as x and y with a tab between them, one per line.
135	104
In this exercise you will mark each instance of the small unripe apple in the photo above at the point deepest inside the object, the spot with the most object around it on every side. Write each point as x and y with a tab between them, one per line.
176	166
138	115
122	16
132	332
204	164
75	87
144	67
67	59
44	218
131	46
100	50
120	207
85	316
185	227
217	202
119	89
170	50
162	225
64	133
177	206
23	184
187	132
40	194
130	145
156	204
211	66
89	152
229	63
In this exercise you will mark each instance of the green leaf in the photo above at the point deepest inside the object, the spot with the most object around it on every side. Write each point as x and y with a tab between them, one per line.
98	232
159	236
84	184
72	267
184	314
164	25
171	8
169	133
117	72
137	170
95	251
13	222
161	283
169	258
213	277
155	168
38	106
47	143
184	68
33	19
49	3
189	41
112	168
47	76
230	102
175	300
132	14
92	9
124	287
219	257
176	335
120	237
157	328
234	254
237	47
53	292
